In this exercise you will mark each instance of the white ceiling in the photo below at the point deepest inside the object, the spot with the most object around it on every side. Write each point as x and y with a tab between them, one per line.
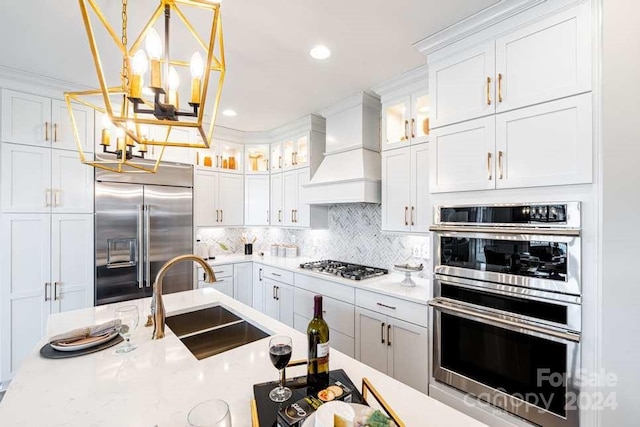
271	79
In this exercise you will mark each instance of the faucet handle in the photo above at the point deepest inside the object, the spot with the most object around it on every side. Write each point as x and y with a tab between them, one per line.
149	321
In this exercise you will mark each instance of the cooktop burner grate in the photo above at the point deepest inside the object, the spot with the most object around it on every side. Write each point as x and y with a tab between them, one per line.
344	269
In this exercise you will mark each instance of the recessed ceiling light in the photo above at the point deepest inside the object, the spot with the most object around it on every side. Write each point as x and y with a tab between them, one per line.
320	52
229	113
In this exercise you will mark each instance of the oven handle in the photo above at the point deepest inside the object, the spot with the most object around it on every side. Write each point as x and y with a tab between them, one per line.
507	230
440	305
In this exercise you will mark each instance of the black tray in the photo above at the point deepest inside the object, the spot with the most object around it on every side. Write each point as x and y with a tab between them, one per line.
267	409
49	352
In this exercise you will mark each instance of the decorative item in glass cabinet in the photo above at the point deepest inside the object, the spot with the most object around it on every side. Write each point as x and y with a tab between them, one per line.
138	112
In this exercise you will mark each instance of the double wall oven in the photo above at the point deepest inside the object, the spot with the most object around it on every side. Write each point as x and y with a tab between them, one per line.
507	307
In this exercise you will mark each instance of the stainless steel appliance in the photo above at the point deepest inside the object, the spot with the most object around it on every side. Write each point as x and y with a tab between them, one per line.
142	221
507	307
344	269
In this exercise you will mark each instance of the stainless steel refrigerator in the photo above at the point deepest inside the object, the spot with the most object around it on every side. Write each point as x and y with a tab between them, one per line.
142	221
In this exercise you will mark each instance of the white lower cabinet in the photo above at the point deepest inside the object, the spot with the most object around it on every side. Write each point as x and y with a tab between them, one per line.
394	347
391	336
224	279
243	282
278	301
258	287
46	267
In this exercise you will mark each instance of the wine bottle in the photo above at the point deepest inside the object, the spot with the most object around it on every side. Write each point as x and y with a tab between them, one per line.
318	337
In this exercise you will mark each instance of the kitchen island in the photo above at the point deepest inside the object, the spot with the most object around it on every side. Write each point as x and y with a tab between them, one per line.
159	382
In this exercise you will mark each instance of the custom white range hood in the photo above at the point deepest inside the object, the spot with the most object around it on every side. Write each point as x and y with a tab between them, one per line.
351	169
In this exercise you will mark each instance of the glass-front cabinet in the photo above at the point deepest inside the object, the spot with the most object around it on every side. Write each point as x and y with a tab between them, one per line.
295	152
224	156
276	157
257	158
405	120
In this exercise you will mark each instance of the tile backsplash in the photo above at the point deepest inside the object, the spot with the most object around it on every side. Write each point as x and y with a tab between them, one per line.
354	235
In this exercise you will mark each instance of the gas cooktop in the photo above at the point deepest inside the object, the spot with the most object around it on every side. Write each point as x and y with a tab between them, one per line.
344	269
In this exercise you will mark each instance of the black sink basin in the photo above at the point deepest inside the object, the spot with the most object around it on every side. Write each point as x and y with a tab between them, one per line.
199	320
221	339
213	331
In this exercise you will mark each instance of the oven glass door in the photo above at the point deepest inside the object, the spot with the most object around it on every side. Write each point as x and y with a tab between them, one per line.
526	373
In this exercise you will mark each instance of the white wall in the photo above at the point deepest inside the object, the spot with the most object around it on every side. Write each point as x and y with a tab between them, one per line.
620	196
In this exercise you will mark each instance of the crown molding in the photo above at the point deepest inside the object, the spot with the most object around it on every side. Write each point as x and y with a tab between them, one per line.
417	77
27	81
477	22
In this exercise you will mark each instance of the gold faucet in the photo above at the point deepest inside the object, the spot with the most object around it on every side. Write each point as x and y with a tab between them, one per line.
157	306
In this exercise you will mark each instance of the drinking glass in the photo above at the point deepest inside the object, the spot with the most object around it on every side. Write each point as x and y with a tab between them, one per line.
211	413
128	315
280	354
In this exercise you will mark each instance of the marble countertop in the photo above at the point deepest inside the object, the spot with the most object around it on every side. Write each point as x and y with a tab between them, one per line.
157	384
389	284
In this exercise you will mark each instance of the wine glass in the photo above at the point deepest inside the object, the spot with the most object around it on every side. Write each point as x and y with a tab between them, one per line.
212	413
128	315
280	354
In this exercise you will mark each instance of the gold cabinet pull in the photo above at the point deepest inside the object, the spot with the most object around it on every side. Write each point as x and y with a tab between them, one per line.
55	132
292	215
406	134
55	197
293	160
217	215
412	212
279	162
221	215
46	198
499	87
488	90
296	214
279	215
267	165
47	286
406	210
413	128
489	177
382	332
217	161
46	131
500	154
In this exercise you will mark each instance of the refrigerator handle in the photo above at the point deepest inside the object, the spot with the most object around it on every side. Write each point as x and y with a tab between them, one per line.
139	246
147	243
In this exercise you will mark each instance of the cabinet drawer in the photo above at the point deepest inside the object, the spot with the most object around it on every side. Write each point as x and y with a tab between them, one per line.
278	274
339	315
400	309
337	340
224	285
225	270
325	287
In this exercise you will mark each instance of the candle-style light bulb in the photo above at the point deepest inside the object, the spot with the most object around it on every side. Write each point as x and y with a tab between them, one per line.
139	66
106	136
153	44
174	82
197	70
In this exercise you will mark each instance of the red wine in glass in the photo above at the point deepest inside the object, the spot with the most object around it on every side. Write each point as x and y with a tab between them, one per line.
280	353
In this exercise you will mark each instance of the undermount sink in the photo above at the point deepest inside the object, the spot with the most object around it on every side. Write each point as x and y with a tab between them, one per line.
212	331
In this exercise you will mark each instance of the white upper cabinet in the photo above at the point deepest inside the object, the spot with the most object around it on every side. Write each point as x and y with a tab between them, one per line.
461	86
71	183
295	151
276	202
37	120
405	120
26	119
205	186
461	157
548	60
63	136
276	156
547	144
257	158
406	204
26	179
396	191
256	200
231	199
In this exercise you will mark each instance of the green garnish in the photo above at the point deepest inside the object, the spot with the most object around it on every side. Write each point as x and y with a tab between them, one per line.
377	419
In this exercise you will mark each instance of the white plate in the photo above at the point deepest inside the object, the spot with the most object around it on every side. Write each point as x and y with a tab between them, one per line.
358	408
86	345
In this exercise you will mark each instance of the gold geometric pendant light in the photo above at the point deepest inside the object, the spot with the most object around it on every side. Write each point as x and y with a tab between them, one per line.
139	111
